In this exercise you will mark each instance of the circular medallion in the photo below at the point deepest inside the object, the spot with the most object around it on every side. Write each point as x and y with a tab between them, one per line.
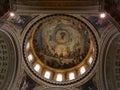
60	48
62	36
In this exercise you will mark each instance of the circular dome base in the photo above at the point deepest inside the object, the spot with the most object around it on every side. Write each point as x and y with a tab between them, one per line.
60	49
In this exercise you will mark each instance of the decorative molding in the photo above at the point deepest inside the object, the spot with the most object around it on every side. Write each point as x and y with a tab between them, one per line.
10	31
106	40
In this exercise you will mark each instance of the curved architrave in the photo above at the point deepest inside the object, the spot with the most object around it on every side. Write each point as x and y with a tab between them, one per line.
10	32
106	39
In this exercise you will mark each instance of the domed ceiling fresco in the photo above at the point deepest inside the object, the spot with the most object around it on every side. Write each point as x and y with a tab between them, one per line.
60	42
60	48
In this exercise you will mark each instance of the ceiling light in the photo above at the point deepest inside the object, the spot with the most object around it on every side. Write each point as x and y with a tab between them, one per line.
12	14
102	15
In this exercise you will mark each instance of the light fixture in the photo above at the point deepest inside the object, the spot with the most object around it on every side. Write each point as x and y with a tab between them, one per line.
47	74
37	67
59	77
71	76
102	15
12	14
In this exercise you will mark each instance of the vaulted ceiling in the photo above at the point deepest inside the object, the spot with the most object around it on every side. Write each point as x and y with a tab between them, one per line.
61	34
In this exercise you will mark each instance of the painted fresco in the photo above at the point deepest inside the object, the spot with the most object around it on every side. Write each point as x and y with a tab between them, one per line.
61	42
27	83
21	21
90	85
98	22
